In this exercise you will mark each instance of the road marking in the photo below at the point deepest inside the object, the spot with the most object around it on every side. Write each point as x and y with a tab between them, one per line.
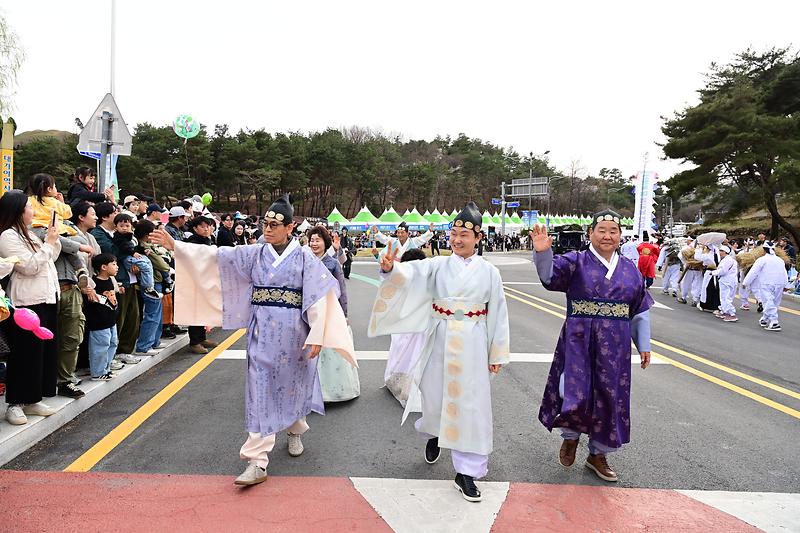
729	370
658	305
770	511
721	382
383	355
104	446
408	504
372	281
781	308
522	283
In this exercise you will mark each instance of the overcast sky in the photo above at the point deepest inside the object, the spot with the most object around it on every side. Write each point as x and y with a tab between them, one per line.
586	80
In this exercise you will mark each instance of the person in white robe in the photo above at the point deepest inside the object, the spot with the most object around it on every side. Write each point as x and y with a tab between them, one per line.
668	256
767	278
727	273
403	242
628	249
458	301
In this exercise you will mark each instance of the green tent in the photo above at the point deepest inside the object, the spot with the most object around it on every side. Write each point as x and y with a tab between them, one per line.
336	216
487	219
515	218
541	220
496	219
365	216
427	216
452	216
438	219
415	219
390	216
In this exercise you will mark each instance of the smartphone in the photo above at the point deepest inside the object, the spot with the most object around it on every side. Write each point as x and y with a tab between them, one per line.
53	219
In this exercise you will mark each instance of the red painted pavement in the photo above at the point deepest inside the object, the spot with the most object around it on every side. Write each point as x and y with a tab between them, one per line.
108	502
578	508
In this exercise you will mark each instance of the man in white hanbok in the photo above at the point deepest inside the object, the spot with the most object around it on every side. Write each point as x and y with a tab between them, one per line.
727	272
458	301
767	278
403	242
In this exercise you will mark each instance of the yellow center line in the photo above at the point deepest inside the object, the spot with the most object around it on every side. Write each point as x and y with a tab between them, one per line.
721	382
542	300
730	386
104	446
781	308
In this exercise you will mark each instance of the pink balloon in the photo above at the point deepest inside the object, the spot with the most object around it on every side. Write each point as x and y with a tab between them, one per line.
165	217
26	319
43	333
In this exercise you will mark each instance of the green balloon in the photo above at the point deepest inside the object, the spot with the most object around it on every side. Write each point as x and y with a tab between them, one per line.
207	199
185	126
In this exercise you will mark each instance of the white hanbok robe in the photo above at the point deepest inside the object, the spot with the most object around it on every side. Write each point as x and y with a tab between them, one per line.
410	244
451	385
767	278
727	273
629	250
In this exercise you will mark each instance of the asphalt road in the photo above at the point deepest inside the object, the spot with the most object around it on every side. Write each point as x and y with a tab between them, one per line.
733	427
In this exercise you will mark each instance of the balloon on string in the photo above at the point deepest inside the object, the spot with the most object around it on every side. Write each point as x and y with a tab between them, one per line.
207	199
185	126
28	320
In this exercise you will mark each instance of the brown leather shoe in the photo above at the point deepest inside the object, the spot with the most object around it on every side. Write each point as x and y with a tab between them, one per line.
599	464
209	344
566	455
198	348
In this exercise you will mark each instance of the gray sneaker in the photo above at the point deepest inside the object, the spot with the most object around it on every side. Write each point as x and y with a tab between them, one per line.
295	445
128	359
116	365
252	475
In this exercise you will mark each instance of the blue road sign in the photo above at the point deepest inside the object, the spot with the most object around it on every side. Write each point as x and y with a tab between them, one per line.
496	201
512	204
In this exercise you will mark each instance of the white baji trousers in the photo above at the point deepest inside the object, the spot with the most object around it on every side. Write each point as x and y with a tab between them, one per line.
256	447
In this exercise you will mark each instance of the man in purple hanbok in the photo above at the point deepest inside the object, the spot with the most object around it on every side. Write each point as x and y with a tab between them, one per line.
588	388
288	301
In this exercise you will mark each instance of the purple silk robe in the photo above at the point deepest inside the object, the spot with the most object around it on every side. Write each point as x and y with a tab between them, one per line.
282	383
594	354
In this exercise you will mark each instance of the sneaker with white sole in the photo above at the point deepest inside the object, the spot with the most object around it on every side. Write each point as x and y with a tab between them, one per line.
295	445
745	307
128	359
252	475
762	323
104	377
148	353
38	409
116	365
730	318
773	327
16	416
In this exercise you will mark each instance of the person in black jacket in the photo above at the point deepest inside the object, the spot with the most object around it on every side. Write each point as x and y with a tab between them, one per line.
225	236
349	247
82	188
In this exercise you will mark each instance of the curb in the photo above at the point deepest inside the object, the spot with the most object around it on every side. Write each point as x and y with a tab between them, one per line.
15	440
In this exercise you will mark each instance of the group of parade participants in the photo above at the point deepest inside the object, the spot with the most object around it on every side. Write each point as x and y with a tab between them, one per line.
446	314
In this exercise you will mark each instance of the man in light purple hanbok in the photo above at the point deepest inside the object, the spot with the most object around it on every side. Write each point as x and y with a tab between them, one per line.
588	388
288	301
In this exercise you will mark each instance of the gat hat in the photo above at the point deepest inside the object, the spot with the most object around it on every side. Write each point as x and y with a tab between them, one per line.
606	215
177	211
402	225
769	247
130	198
281	210
152	208
469	217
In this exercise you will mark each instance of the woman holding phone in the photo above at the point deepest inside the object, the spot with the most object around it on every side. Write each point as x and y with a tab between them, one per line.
32	363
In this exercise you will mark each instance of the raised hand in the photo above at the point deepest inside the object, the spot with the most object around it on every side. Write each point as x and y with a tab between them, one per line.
388	259
336	241
52	231
163	238
430	228
540	240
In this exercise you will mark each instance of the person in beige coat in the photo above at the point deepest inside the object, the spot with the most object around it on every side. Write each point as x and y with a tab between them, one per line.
32	363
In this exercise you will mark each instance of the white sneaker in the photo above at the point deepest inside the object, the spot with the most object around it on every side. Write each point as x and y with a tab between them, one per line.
147	353
15	415
128	359
295	445
252	475
116	365
39	409
773	327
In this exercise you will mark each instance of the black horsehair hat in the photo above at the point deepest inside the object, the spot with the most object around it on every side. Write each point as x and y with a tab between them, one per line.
607	215
469	217
281	210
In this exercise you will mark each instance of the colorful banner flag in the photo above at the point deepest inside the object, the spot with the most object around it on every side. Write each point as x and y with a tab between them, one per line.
644	189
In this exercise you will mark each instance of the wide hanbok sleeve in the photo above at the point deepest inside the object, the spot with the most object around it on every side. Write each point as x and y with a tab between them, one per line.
560	269
198	295
404	299
322	311
498	330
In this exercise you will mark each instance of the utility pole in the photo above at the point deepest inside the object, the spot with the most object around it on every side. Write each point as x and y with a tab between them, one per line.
104	164
113	43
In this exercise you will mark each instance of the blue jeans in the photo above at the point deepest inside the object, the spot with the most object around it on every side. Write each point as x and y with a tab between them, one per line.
145	274
150	328
102	347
